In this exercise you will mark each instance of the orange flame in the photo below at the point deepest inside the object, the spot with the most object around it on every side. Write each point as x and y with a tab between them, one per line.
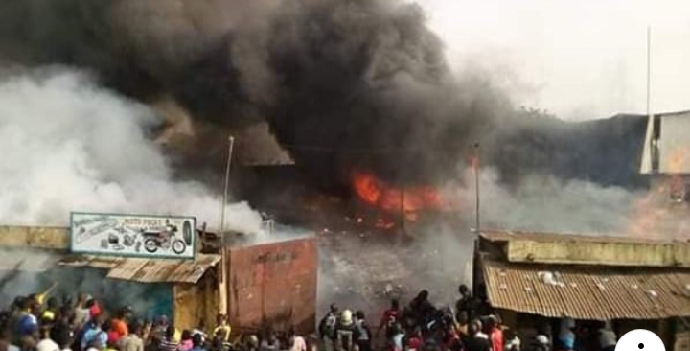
654	215
375	192
675	169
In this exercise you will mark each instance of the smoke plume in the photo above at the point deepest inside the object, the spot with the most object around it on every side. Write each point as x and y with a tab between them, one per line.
342	83
71	145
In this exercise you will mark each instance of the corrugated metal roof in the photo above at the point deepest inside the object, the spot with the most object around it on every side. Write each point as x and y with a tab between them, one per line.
588	292
502	235
147	270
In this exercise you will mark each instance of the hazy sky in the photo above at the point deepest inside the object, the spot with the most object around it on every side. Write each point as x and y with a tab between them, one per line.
580	59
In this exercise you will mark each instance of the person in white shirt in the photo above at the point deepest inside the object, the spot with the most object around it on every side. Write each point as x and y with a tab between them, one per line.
46	343
296	342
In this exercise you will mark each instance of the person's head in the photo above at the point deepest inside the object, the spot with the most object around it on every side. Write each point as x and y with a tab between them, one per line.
81	299
475	327
252	341
268	335
360	315
545	328
125	313
162	320
395	304
346	318
491	322
28	304
606	325
221	319
334	308
136	328
170	332
52	304
186	335
430	345
463	317
464	291
64	337
198	340
90	303
18	302
67	301
397	329
423	295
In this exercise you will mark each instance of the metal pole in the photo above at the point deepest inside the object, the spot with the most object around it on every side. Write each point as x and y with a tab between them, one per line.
475	166
402	208
231	141
651	119
649	71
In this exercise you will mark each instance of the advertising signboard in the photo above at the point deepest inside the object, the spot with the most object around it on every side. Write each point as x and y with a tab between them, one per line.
133	235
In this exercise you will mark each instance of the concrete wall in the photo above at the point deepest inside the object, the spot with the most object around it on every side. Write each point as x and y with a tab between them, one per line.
596	253
37	236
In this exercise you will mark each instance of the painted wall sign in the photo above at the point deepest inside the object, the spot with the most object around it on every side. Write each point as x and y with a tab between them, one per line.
133	235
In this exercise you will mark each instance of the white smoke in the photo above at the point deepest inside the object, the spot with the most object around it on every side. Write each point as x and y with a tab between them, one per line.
69	145
546	203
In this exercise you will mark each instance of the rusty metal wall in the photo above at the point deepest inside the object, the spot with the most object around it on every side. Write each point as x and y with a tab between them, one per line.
273	285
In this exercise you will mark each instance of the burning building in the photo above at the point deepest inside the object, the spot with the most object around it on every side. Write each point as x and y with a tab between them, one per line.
666	155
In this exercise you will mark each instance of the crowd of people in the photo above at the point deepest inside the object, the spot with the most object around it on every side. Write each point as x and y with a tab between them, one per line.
470	325
32	324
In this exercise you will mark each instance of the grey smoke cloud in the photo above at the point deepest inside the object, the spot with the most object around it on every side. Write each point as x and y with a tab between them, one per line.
547	203
72	145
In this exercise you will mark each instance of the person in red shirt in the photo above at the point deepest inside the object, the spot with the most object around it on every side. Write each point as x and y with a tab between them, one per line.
389	318
495	333
94	308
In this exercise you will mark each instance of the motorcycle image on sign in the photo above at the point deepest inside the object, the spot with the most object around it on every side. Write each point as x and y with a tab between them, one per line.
163	239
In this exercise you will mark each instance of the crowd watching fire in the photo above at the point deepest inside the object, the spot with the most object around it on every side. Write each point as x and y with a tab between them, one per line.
41	323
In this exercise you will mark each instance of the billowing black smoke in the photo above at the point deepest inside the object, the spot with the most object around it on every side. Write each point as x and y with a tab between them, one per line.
343	83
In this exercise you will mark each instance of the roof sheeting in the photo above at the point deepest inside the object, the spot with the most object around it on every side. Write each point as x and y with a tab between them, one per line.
147	270
589	293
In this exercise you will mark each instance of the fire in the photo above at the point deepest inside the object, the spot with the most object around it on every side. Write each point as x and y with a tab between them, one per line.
654	215
675	169
409	200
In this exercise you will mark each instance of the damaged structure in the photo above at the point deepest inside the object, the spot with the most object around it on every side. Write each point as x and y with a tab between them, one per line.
666	154
636	284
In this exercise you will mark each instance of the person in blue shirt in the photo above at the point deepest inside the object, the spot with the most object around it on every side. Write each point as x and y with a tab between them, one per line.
94	334
27	325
